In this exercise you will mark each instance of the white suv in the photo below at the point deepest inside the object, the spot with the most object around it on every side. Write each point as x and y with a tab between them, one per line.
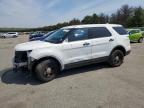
73	46
10	35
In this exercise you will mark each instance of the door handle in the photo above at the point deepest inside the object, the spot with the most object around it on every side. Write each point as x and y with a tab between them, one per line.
111	40
86	44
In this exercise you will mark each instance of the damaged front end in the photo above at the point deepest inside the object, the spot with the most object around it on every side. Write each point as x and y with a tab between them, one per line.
21	61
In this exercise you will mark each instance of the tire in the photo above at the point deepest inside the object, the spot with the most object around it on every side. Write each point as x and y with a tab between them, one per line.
46	70
116	58
140	40
3	37
14	36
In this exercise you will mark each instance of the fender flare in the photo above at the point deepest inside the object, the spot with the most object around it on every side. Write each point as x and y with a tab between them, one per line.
36	61
120	47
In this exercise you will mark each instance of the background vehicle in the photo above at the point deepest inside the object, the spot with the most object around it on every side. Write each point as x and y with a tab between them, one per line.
39	37
71	47
35	35
1	35
10	35
135	35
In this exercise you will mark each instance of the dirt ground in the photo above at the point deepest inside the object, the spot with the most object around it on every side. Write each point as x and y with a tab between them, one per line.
93	86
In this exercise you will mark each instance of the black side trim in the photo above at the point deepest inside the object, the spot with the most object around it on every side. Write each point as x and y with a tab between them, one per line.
86	62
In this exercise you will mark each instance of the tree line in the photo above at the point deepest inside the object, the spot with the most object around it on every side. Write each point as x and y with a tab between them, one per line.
127	16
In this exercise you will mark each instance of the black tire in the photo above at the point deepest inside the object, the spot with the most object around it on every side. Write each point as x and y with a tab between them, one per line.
3	37
46	70
14	36
116	58
140	40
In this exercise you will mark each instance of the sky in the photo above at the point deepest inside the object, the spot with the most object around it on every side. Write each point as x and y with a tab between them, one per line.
38	13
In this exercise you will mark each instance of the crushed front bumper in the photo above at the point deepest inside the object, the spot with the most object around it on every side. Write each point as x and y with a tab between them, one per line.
20	66
23	67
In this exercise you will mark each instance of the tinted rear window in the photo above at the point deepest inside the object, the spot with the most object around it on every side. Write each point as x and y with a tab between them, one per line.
98	32
120	30
11	33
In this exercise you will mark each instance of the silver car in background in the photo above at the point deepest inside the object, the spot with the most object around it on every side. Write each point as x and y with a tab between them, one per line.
9	35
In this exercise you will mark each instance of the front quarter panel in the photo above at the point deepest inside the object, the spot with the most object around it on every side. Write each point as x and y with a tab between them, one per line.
48	52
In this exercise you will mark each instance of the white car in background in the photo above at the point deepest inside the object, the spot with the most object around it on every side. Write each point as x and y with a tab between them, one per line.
9	35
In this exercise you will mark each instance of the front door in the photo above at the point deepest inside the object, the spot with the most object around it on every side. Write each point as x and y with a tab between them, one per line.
78	47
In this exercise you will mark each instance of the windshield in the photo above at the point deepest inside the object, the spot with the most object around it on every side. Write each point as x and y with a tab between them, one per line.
49	33
58	36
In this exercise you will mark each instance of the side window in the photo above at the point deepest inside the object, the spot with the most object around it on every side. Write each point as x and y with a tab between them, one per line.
133	32
120	30
78	34
98	32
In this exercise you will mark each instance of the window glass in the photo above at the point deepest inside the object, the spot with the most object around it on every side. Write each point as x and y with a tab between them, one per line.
11	33
78	34
120	30
98	32
57	37
134	31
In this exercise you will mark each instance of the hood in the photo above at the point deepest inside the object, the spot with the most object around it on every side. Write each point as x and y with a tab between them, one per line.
32	45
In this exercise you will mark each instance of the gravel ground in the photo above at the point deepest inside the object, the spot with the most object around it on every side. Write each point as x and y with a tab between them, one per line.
93	86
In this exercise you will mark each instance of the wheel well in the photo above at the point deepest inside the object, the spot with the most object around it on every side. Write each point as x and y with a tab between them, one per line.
141	37
42	59
120	48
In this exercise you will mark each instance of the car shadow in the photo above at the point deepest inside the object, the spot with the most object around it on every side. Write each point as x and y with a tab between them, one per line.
8	76
83	69
132	42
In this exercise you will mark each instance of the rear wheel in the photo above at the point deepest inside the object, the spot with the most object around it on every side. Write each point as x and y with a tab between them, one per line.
46	70
140	40
116	58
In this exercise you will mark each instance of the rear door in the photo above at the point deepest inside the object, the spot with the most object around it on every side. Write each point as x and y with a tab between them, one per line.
101	41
